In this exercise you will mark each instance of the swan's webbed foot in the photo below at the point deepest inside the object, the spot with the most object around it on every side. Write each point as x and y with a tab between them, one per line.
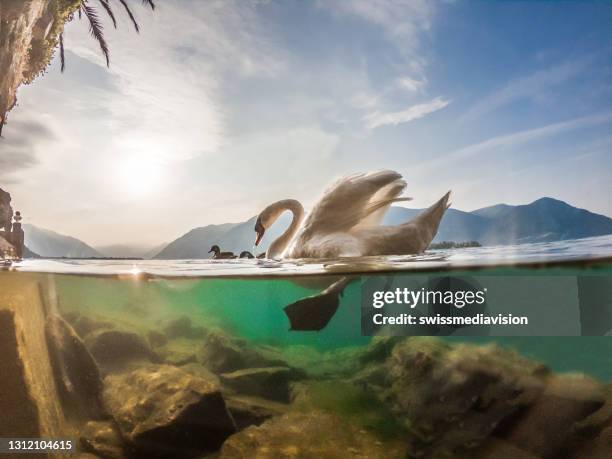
313	313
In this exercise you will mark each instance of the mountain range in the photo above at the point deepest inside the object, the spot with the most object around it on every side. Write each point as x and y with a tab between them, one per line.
543	220
47	243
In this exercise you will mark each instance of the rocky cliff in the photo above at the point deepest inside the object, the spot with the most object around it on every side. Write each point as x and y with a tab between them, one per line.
29	33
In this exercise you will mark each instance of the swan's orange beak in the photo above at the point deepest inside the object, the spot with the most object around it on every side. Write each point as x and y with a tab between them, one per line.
259	230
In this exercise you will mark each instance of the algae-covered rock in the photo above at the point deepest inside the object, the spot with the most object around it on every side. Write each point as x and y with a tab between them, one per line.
308	435
248	411
546	427
156	338
483	401
103	440
451	398
179	351
182	327
592	436
494	448
223	353
166	412
84	325
115	349
269	382
77	376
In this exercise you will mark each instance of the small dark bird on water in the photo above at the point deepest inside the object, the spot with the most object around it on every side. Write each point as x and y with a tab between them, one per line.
247	254
218	255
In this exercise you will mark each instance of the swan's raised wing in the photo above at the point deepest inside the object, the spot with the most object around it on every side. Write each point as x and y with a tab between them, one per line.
359	199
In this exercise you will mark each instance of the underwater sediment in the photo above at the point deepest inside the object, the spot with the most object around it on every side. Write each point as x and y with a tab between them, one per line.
137	369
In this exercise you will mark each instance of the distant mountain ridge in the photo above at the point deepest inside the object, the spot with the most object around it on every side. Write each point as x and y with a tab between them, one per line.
130	251
543	220
47	243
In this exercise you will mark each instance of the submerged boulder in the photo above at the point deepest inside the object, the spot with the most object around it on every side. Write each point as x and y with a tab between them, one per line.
308	435
451	398
182	327
77	376
163	411
84	325
484	401
222	353
548	425
270	382
103	440
248	411
115	349
156	338
179	351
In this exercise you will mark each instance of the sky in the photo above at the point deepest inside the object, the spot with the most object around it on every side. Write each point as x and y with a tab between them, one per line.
218	108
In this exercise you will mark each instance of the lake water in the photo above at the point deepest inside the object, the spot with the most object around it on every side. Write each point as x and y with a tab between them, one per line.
235	307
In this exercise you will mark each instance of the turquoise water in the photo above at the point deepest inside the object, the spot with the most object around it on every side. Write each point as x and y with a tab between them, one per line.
252	308
223	327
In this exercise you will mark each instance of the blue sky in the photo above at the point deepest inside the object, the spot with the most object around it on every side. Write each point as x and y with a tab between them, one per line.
218	108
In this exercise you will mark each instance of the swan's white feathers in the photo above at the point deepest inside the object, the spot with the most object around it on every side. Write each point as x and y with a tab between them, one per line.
346	222
352	199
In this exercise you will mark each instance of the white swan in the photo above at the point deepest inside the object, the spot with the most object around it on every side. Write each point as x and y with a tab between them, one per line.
346	222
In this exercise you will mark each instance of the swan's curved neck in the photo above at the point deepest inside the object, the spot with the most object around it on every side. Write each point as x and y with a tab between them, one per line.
279	245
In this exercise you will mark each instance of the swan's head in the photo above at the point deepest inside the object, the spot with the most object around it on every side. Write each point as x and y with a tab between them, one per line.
266	219
260	229
215	248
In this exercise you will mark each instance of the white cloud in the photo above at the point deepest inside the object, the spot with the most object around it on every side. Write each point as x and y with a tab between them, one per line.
503	142
378	119
410	84
529	86
402	22
401	19
169	76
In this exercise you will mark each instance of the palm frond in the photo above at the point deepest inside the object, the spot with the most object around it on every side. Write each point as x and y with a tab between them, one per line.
95	28
61	47
106	5
129	12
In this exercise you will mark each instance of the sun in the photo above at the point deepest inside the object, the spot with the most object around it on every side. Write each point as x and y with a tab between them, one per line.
140	175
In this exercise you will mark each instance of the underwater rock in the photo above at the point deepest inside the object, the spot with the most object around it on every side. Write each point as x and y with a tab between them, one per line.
179	352
163	411
547	426
598	447
252	411
201	372
271	382
494	448
76	373
182	327
103	440
84	325
450	398
379	349
592	437
308	435
116	349
332	363
223	354
156	339
29	405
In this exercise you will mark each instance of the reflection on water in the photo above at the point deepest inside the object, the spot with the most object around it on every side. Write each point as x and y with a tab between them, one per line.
549	252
